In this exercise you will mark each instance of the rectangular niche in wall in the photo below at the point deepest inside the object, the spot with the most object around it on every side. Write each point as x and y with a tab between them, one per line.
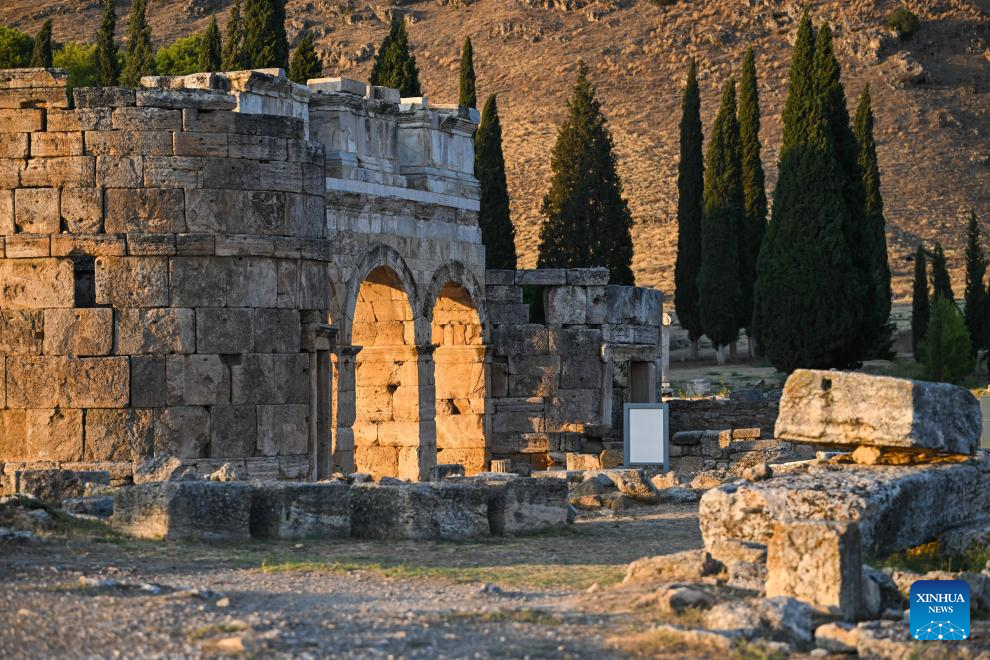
84	271
642	382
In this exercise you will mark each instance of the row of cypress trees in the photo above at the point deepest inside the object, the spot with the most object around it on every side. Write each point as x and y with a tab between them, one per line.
256	39
812	287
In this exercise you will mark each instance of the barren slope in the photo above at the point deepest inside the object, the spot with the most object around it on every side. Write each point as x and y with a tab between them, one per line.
934	137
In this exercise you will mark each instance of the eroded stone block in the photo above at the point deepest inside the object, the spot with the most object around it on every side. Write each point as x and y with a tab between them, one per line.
224	330
283	430
205	510
182	431
144	210
54	434
197	380
36	283
233	431
156	330
78	332
125	282
298	511
148	381
119	435
37	210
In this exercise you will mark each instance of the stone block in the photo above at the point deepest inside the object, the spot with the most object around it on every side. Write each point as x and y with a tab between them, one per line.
194	245
51	97
301	511
13	432
90	245
54	434
156	330
27	246
251	282
277	331
224	330
60	172
314	285
196	380
146	119
198	281
128	143
103	97
264	213
82	210
233	431
527	506
95	382
533	375
52	143
530	339
173	172
7	212
818	562
201	99
54	486
214	210
22	120
145	210
508	314
78	332
79	119
119	172
151	245
253	379
32	381
119	435
588	276
419	511
182	431
14	145
542	277
132	281
148	381
173	510
21	332
37	210
305	215
200	144
566	305
851	409
283	430
258	147
234	173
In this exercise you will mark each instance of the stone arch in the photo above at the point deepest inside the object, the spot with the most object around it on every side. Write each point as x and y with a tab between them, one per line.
381	256
462	369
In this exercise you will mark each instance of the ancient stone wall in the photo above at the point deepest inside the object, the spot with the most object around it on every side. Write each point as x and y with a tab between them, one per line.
161	255
724	414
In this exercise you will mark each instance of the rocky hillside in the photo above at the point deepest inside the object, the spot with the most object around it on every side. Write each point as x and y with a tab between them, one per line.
931	93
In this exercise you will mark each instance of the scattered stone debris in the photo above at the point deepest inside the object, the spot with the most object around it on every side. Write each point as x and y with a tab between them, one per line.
162	468
226	472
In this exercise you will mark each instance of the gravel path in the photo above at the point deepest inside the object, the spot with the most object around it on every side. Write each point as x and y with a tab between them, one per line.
498	598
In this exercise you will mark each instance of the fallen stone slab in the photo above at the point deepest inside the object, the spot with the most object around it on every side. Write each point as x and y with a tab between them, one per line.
162	468
53	486
688	565
851	409
527	506
895	507
205	510
288	510
971	537
445	510
97	506
780	619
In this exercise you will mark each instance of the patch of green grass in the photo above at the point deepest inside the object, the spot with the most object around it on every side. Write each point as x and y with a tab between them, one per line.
212	629
927	557
755	651
524	615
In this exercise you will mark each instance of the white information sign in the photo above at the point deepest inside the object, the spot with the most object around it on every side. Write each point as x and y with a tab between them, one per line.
645	434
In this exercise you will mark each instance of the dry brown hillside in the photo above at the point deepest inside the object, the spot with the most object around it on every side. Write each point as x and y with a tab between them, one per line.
933	130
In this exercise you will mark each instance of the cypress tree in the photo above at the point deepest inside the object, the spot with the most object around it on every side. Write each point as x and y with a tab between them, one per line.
210	48
467	95
139	59
719	285
107	64
233	45
586	220
305	63
690	199
497	232
806	277
754	222
265	44
941	282
877	319
395	65
42	55
976	291
919	303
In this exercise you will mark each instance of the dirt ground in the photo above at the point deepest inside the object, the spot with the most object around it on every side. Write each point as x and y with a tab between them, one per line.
551	595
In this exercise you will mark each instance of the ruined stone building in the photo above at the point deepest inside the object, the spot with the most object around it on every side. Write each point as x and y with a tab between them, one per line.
236	268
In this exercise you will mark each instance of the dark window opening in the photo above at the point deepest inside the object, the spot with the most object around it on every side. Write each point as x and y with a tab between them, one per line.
534	296
84	269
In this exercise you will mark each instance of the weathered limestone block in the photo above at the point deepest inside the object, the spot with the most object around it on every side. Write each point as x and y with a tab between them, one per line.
78	332
27	246
182	431
566	305
190	245
283	430
146	119
779	619
522	340
60	172
54	434
95	245
14	145
202	99
818	562
32	381
54	486
527	505
292	378
21	332
151	244
259	147
119	435
298	511
542	277
689	565
36	284
13	435
251	282
206	510
233	431
232	173
148	381
197	380
213	210
54	143
533	375
79	119
200	144
36	210
252	379
198	282
277	331
82	210
119	172
224	330
895	507
21	120
172	172
588	276
96	382
128	142
103	97
419	511
851	409
125	282
145	210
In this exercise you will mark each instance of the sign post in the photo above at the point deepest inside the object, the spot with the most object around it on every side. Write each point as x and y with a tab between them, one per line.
645	432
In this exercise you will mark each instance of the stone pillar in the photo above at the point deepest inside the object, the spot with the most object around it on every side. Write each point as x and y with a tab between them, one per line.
415	462
665	354
318	340
343	450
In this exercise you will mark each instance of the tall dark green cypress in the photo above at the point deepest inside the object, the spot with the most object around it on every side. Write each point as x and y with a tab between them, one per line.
754	186
497	232
467	94
265	44
211	48
107	64
920	310
305	63
233	57
139	58
41	57
941	282
878	329
806	277
690	208
719	285
586	219
395	65
976	290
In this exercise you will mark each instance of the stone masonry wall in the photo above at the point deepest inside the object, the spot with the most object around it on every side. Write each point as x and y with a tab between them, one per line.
160	255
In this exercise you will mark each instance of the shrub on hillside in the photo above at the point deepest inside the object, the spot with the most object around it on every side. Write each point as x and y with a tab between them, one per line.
15	48
180	58
79	62
904	22
947	347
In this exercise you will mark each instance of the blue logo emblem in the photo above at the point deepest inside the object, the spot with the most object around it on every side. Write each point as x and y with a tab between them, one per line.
940	610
